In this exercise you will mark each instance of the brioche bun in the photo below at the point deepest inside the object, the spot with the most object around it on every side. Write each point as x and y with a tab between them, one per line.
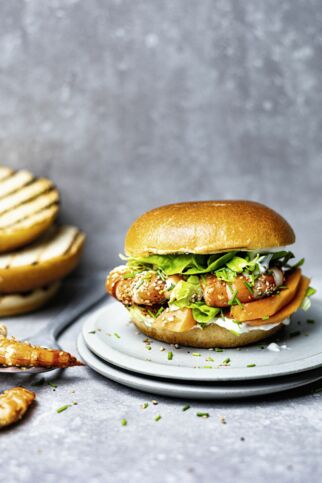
205	227
28	206
42	263
211	336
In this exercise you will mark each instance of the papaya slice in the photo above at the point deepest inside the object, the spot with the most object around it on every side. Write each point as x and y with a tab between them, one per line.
268	306
290	308
180	320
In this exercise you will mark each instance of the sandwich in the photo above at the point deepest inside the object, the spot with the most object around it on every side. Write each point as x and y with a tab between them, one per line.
210	274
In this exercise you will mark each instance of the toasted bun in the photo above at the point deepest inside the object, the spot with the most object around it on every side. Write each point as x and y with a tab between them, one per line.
43	262
204	227
211	336
17	304
28	206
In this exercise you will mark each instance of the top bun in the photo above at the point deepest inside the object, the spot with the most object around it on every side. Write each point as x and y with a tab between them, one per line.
205	227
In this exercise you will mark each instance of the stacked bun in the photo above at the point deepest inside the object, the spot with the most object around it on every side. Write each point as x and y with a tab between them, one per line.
36	253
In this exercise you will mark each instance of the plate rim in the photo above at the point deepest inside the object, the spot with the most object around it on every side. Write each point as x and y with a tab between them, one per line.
150	368
189	390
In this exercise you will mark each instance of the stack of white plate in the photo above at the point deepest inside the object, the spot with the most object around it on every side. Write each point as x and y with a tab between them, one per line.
113	347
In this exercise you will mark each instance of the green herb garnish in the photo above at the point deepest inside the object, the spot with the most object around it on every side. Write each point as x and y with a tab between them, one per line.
170	356
63	408
158	417
202	415
128	275
186	407
251	365
124	422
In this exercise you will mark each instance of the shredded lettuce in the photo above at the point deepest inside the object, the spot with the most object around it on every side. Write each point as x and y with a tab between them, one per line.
186	292
202	313
226	266
187	264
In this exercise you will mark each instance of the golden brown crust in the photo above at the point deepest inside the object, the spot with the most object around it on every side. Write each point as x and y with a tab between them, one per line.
212	336
30	277
13	405
28	206
205	227
12	239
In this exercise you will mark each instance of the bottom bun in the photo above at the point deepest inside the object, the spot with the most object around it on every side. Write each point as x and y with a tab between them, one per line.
211	336
17	304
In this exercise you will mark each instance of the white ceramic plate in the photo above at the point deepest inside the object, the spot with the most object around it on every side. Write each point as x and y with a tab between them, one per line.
193	390
109	333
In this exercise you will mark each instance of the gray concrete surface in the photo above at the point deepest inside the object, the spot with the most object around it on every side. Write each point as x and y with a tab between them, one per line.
129	104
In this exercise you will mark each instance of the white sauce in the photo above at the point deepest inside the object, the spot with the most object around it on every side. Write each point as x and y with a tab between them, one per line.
243	327
275	347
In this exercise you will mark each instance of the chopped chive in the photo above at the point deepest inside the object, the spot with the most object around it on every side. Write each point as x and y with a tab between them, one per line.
138	285
210	359
157	418
249	287
170	356
232	299
92	332
63	408
117	335
162	275
145	405
161	309
251	365
219	349
196	354
124	422
266	317
186	407
207	367
148	347
151	314
226	361
202	415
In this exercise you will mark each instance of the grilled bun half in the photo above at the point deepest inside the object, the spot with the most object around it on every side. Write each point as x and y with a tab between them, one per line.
205	227
42	263
28	206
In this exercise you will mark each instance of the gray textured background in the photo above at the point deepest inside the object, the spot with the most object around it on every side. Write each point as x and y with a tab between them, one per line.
131	104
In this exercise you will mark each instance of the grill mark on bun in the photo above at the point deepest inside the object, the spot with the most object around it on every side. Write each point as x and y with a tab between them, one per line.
57	242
